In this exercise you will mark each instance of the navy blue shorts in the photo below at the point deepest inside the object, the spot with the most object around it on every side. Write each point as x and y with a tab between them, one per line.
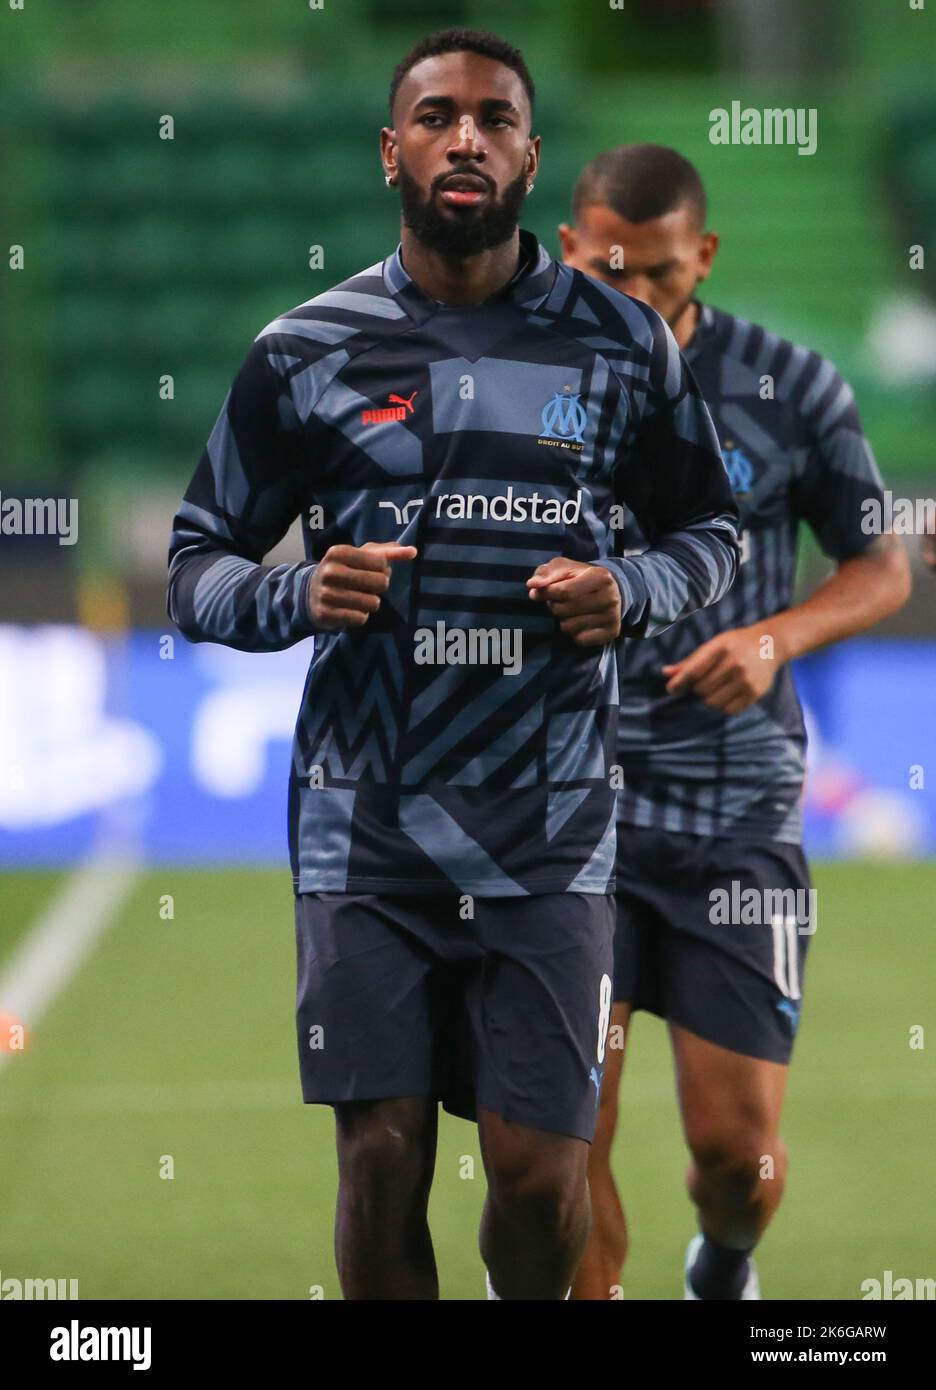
712	935
399	996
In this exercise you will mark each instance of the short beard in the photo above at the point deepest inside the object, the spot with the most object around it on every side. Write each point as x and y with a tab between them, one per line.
467	233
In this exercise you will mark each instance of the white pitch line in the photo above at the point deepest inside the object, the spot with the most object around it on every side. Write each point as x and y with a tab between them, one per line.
57	944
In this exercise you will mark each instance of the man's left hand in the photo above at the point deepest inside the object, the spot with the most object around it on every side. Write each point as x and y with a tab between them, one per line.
584	598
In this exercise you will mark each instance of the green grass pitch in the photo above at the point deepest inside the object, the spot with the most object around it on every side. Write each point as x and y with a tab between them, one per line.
176	1039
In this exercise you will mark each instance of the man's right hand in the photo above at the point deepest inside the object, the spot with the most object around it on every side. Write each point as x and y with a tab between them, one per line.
346	585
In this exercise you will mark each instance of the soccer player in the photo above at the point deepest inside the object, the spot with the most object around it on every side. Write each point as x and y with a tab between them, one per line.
711	739
454	425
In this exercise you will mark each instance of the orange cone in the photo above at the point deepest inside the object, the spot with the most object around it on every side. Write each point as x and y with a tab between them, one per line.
13	1036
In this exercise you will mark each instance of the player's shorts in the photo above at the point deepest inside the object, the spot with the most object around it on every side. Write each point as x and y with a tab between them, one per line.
712	935
400	996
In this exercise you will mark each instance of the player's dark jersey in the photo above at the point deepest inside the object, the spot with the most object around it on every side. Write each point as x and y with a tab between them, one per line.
794	449
458	738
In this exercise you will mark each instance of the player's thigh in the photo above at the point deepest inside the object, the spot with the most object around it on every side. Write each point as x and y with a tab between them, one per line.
540	1007
730	1103
637	931
618	1033
644	881
608	1107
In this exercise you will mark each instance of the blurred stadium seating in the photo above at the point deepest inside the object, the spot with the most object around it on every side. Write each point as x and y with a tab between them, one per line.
151	256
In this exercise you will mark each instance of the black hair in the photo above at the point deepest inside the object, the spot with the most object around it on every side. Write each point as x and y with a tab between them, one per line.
639	182
467	41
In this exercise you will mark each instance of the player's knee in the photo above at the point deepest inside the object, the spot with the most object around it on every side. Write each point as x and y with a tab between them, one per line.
552	1208
738	1159
547	1196
384	1149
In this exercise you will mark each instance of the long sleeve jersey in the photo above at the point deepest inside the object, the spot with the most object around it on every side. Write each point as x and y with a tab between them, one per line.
795	452
458	742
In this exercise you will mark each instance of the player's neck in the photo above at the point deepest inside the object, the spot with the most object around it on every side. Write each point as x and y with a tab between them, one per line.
462	279
686	324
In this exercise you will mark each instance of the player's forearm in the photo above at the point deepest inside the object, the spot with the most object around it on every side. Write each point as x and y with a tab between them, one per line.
687	571
216	596
859	594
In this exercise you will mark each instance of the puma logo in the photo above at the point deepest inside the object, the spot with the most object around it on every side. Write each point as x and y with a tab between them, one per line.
396	411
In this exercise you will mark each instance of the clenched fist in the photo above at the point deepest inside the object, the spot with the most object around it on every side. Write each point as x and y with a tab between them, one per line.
585	599
346	586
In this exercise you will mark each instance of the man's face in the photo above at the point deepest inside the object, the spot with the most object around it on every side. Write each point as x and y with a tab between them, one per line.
660	261
461	151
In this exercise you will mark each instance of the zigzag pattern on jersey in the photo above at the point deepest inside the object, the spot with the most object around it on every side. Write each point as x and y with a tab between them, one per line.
359	684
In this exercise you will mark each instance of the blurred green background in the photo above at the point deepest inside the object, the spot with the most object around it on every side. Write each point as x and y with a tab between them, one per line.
147	256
